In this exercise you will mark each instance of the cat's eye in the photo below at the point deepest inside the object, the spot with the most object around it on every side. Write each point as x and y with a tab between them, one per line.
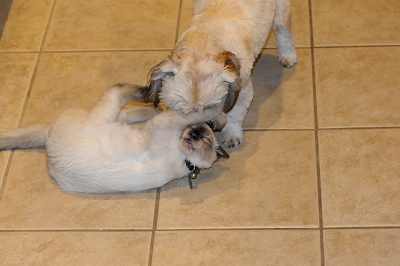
207	140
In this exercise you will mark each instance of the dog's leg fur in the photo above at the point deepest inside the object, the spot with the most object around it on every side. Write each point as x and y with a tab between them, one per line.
232	133
284	38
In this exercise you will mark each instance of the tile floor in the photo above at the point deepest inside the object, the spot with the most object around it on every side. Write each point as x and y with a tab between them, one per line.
317	181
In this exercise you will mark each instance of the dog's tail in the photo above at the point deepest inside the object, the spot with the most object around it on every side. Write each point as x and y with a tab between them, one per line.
24	138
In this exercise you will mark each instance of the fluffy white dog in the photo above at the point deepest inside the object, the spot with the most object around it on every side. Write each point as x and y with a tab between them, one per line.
212	61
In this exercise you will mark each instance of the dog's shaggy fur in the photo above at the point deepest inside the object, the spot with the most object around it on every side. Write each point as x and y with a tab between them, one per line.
211	63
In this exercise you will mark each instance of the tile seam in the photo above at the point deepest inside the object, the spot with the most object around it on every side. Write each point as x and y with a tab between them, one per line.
316	136
154	227
92	230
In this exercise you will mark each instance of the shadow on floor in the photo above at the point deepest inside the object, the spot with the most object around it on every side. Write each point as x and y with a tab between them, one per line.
5	6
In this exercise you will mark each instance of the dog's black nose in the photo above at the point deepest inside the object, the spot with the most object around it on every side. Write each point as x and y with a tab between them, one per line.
195	134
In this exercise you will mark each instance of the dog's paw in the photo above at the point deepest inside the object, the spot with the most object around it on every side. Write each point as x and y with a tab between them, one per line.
231	138
288	61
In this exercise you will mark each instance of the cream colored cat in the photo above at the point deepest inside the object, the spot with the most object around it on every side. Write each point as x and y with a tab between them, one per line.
99	152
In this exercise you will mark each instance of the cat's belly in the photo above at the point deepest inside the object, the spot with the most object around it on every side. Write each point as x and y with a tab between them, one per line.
113	176
108	158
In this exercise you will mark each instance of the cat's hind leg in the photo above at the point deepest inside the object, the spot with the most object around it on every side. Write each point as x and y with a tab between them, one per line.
137	114
108	107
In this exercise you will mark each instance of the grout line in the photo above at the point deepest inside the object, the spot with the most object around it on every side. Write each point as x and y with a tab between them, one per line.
3	184
88	51
153	231
108	50
239	229
358	128
170	49
361	227
321	129
86	230
357	46
19	52
316	136
278	129
92	230
274	228
338	47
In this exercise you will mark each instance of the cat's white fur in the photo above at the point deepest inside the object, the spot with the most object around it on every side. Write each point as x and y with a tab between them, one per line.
97	152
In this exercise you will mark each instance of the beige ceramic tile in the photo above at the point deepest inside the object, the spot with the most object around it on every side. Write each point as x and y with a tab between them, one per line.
77	80
360	177
74	248
256	248
186	15
32	200
300	22
367	247
106	25
270	181
357	22
4	157
283	98
22	24
358	87
15	75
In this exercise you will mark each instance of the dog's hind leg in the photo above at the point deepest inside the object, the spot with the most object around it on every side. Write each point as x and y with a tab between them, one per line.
107	109
284	38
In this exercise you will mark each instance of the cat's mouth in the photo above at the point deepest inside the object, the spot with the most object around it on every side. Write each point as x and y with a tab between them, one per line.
189	144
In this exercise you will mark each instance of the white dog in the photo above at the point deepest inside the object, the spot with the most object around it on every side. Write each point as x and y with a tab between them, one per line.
211	63
98	152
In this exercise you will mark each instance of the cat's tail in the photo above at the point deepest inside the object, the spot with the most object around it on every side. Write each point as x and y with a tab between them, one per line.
24	138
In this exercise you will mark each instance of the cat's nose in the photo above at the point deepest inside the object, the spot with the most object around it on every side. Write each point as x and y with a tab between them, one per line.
195	134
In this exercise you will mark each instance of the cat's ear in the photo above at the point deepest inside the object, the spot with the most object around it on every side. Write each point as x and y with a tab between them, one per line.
221	152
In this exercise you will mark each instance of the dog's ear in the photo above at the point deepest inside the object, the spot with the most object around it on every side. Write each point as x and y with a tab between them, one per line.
232	70
158	73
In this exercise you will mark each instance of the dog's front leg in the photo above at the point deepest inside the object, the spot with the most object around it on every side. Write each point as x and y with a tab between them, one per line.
232	133
284	38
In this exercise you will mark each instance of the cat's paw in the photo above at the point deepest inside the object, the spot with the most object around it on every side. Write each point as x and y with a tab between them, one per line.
231	137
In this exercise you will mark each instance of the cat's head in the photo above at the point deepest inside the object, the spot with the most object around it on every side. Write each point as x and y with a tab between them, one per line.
201	147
